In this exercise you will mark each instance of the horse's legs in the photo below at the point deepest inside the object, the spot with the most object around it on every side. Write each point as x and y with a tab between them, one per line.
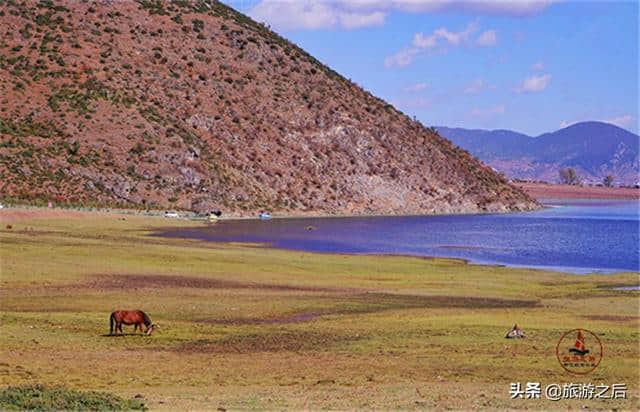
135	327
120	328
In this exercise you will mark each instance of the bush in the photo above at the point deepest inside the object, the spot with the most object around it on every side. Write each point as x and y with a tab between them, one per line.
608	181
42	398
138	149
569	176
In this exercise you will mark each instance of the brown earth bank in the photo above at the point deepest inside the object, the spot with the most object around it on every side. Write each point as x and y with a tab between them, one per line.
550	191
12	215
194	106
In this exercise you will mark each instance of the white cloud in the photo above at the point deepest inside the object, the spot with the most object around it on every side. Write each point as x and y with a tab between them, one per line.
416	87
567	123
434	39
537	67
402	58
518	8
487	38
514	8
476	86
351	21
489	111
455	38
439	39
534	84
354	14
623	121
425	42
296	15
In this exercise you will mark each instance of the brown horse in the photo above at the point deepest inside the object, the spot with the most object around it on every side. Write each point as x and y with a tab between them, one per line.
130	317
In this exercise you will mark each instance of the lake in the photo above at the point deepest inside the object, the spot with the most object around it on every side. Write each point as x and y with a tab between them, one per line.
571	236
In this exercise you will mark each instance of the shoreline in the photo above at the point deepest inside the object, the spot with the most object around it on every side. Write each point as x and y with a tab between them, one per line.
187	214
540	192
563	270
432	254
22	215
193	217
18	213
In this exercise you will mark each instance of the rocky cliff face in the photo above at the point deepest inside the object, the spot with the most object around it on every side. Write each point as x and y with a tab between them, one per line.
193	105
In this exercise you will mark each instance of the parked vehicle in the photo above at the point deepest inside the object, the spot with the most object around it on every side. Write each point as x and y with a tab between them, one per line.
171	213
264	215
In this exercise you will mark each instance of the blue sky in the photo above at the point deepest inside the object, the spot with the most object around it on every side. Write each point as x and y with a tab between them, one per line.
528	66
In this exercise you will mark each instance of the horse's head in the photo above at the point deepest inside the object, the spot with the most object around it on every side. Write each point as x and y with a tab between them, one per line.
151	328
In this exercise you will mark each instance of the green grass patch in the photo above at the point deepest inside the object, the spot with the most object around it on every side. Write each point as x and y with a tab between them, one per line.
43	398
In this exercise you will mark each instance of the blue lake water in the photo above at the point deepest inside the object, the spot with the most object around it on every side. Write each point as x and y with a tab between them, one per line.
576	236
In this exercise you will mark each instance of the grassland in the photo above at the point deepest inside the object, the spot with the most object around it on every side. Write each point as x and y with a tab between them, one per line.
247	327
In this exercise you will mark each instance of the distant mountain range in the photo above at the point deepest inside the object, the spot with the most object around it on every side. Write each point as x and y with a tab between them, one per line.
594	149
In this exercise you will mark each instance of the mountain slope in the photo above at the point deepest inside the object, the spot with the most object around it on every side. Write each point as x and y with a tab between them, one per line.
193	105
595	149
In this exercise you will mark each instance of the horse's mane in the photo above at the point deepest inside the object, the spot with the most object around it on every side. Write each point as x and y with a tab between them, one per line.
147	319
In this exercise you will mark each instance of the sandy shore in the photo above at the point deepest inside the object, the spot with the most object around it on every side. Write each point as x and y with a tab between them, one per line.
550	191
21	213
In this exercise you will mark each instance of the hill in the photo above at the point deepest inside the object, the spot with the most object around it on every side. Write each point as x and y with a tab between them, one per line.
189	104
594	149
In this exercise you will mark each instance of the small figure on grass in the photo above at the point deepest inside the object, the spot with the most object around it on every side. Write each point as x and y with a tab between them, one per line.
515	333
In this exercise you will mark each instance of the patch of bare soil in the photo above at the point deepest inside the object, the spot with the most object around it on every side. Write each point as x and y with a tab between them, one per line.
120	282
613	318
364	303
173	281
426	301
17	371
287	341
293	318
20	215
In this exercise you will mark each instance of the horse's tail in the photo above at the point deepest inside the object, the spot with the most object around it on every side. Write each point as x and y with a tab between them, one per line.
147	319
112	322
